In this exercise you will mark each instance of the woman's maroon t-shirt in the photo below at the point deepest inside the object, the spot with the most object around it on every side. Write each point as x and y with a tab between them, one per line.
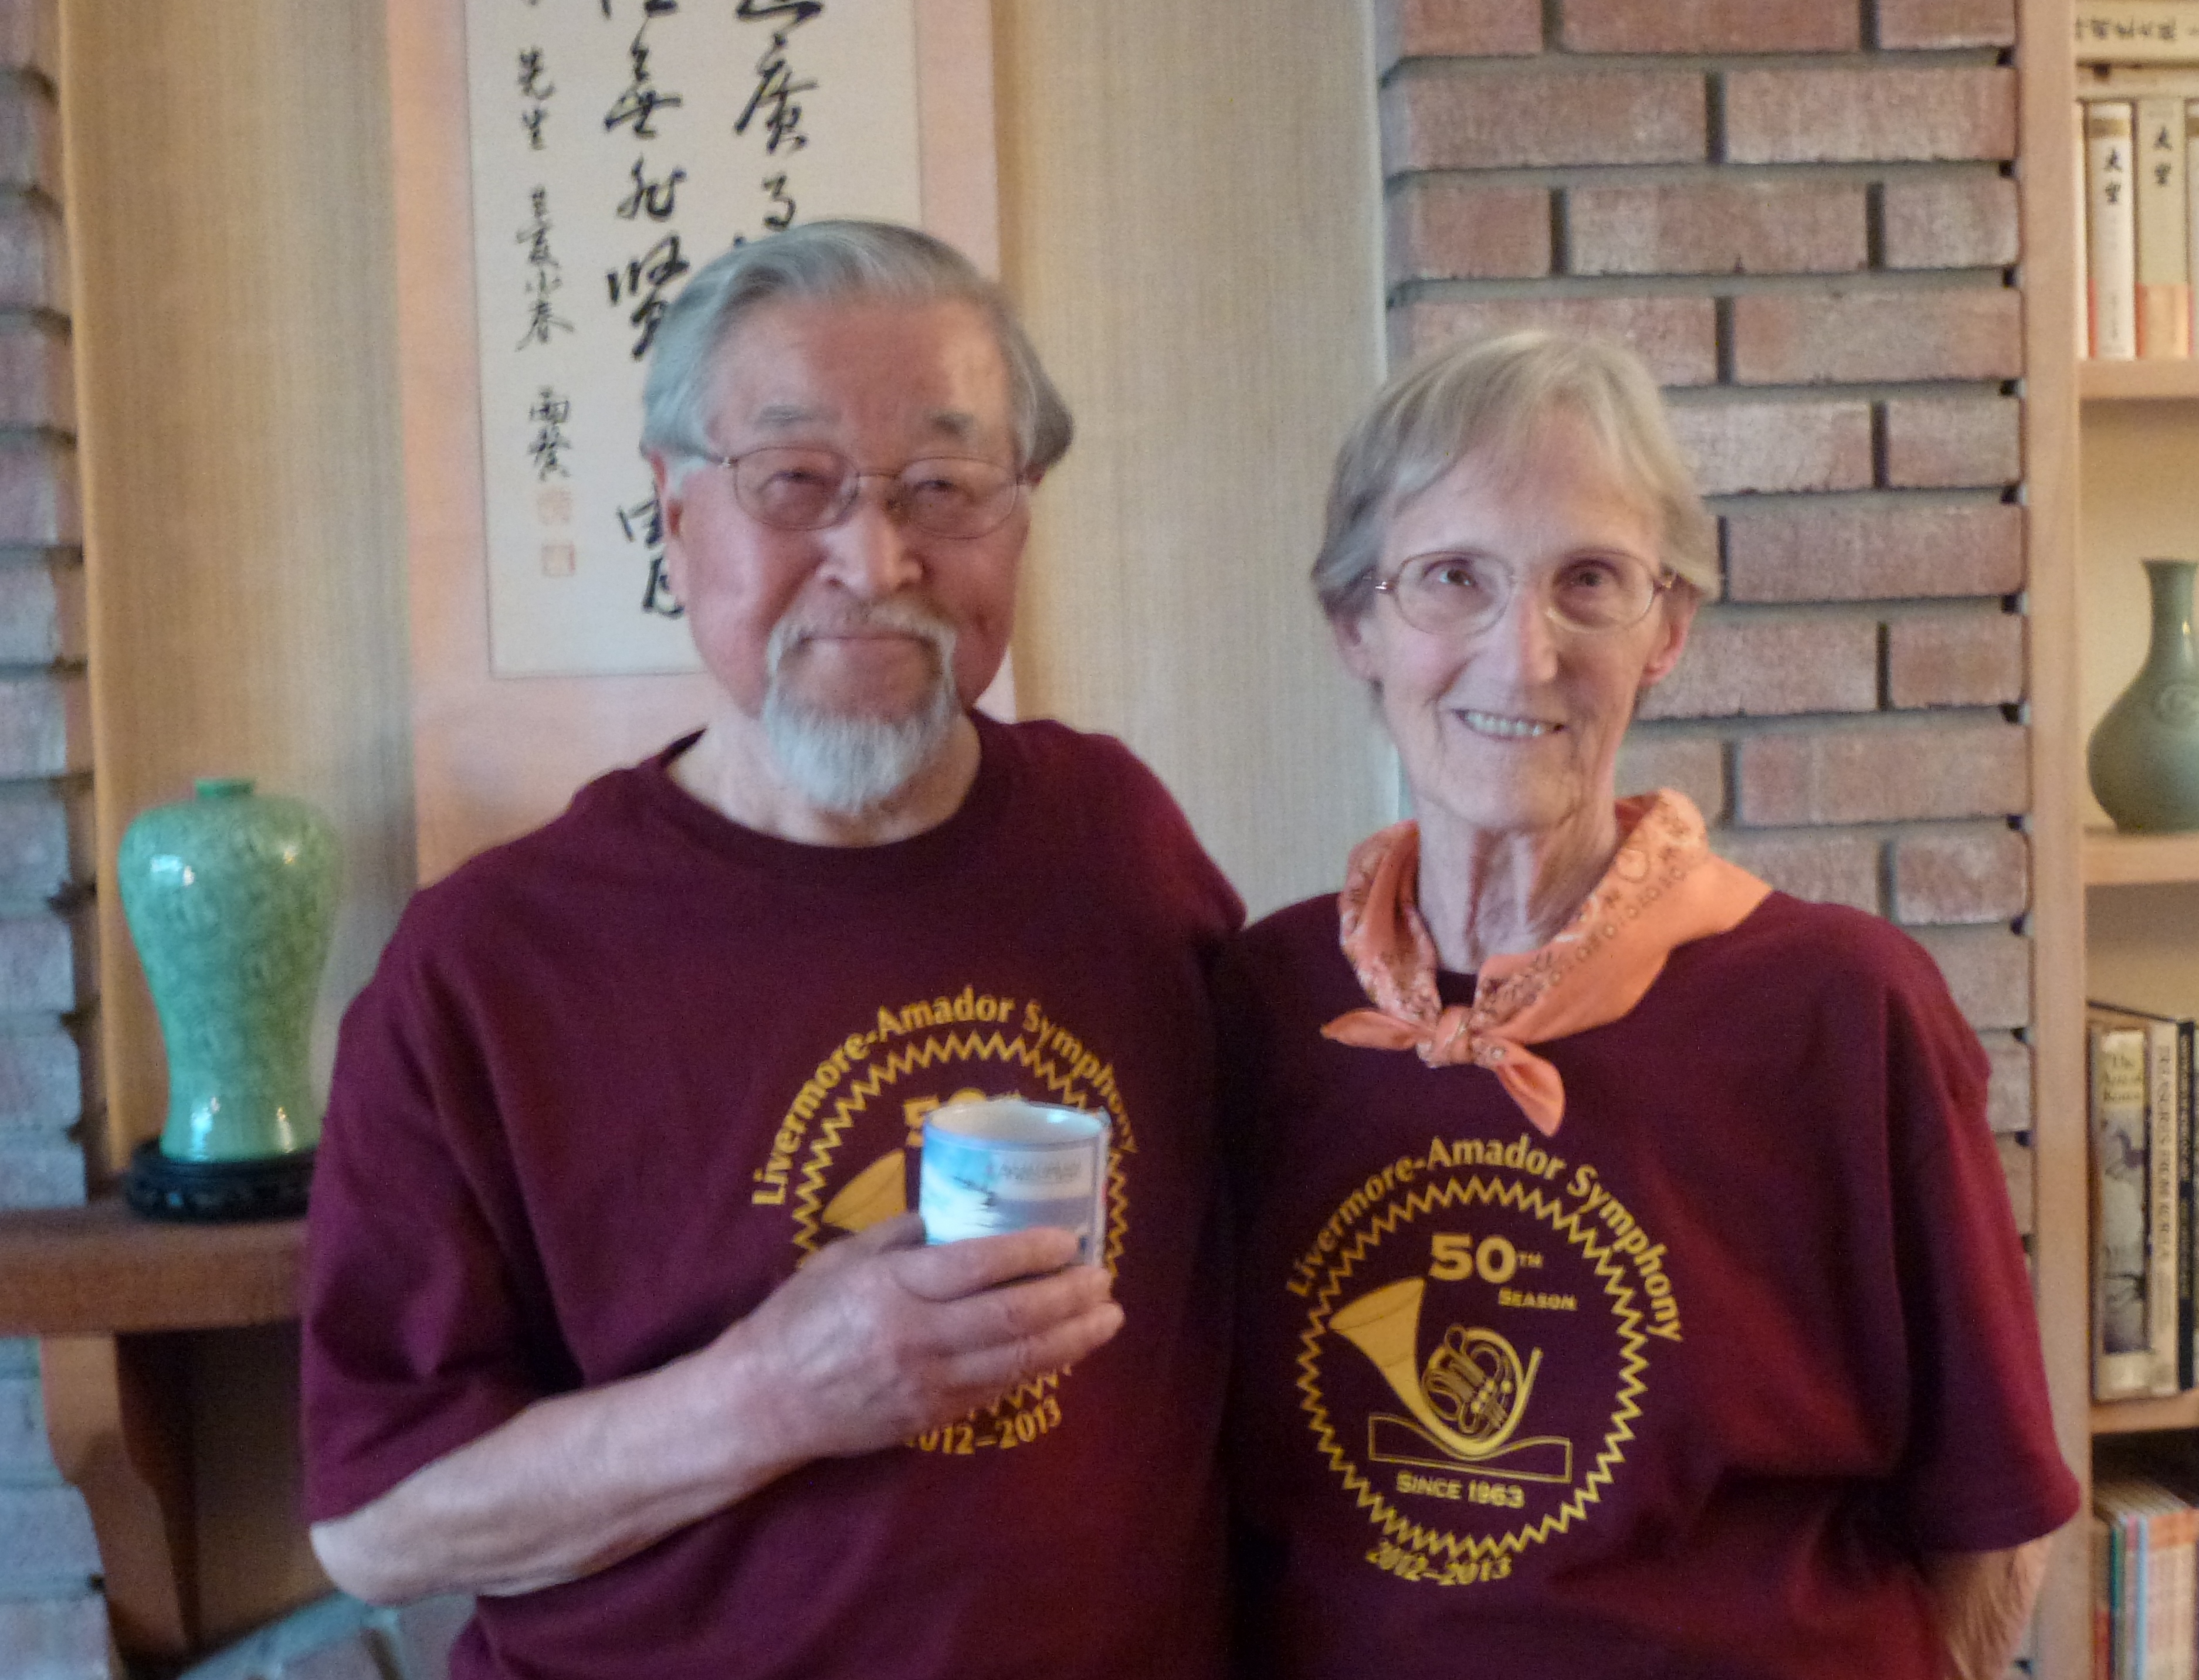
614	1081
1683	1389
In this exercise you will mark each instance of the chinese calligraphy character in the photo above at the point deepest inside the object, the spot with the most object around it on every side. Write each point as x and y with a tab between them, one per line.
645	278
782	213
649	197
644	523
546	275
532	85
640	101
548	417
776	87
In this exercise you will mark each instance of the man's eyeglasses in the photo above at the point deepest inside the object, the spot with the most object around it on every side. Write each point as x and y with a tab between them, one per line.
1465	594
804	488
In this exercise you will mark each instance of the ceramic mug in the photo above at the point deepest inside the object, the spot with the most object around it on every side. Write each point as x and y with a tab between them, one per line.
1006	1165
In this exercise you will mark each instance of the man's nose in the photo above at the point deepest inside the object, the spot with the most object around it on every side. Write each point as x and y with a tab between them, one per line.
869	553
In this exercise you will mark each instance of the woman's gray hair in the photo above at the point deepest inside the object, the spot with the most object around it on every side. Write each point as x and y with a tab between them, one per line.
1495	395
832	262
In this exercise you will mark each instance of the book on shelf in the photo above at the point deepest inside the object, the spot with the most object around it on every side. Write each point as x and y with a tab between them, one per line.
2164	285
2142	1142
2110	231
2149	1623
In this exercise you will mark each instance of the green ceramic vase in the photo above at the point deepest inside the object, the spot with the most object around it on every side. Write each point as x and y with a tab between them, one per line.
2144	757
230	899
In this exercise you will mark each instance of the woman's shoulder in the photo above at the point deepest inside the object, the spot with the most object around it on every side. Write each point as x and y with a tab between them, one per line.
1798	941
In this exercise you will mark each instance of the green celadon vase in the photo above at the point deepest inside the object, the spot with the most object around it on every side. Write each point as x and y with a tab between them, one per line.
2144	757
230	898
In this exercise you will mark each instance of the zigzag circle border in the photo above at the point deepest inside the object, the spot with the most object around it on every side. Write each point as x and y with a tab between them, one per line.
1609	1266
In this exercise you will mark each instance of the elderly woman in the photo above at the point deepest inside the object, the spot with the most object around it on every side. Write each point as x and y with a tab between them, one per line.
1629	1287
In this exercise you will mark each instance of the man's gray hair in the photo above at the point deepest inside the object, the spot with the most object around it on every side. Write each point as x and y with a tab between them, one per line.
1495	395
832	262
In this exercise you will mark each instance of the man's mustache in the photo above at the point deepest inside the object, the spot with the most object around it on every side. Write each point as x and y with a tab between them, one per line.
903	618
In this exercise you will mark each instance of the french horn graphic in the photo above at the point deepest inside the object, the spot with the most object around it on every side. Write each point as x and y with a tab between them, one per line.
1467	1404
877	1193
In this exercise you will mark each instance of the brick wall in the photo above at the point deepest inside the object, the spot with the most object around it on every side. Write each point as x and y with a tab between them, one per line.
53	1625
1801	213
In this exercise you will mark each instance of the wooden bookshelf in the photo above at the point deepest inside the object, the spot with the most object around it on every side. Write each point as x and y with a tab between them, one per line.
2122	429
2113	859
2136	1417
2141	382
2048	185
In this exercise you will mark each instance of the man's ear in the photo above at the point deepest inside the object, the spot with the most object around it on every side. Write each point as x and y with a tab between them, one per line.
671	505
671	509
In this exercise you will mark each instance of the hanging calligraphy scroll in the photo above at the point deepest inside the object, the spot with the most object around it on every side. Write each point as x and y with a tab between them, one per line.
562	167
617	145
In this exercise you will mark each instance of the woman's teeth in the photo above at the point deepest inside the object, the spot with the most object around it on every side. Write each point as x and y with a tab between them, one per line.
1510	728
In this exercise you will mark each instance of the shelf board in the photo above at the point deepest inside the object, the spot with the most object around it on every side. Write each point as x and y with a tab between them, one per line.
2131	1417
2113	859
102	1270
2160	379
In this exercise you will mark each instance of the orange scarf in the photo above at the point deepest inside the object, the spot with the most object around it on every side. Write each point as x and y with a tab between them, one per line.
1665	888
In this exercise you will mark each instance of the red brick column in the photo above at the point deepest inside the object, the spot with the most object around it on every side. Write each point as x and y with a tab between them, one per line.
1801	213
52	1621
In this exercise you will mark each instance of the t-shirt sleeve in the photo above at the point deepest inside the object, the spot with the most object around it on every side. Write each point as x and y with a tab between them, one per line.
416	1338
1982	1471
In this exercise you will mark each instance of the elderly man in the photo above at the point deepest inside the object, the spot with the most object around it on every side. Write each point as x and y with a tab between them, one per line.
617	1318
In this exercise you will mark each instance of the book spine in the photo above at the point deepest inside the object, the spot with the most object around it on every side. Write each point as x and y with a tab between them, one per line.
2080	219
2103	1599
2111	231
2163	1160
2192	205
2164	278
2122	1361
2184	1571
2138	1586
2187	1213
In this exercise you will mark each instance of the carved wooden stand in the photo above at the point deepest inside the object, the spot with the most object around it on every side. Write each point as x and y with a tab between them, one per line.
109	1295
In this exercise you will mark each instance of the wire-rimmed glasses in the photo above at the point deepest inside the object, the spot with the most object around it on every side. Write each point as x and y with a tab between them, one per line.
806	487
1452	594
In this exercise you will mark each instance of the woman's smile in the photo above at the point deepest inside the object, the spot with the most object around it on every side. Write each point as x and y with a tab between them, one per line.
1503	728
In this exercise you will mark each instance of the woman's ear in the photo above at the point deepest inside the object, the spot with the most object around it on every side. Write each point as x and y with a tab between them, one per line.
1675	616
1352	645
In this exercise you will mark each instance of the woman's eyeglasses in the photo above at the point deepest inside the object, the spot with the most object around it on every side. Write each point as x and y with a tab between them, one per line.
1464	594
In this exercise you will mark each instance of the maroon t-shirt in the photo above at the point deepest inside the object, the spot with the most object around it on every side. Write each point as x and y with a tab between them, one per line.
1685	1389
614	1081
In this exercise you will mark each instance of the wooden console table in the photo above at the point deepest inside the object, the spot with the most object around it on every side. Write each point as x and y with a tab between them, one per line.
106	1294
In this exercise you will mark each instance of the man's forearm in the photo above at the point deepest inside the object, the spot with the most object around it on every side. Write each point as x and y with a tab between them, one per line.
1982	1601
876	1339
568	1486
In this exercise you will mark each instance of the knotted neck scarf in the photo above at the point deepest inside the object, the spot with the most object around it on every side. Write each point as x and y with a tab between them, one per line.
1665	888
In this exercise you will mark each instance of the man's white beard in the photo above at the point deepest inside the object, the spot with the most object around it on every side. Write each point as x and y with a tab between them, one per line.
850	764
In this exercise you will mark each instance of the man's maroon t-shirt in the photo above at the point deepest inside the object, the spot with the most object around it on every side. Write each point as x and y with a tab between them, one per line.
614	1081
1683	1389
